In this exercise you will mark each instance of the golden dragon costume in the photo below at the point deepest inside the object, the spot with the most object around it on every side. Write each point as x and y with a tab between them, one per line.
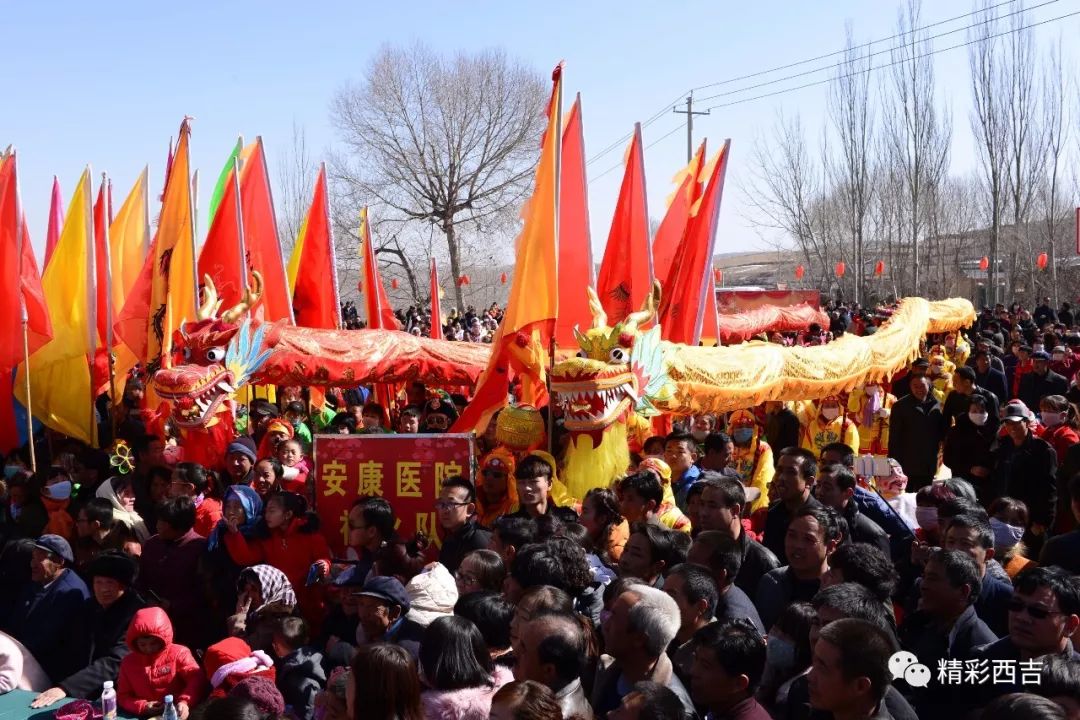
626	369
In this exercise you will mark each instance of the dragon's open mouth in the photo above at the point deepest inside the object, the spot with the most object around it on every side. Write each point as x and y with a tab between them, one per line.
196	392
592	398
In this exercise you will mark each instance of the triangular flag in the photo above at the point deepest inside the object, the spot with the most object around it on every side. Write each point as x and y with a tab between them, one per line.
315	298
575	242
56	219
380	315
626	272
436	307
689	184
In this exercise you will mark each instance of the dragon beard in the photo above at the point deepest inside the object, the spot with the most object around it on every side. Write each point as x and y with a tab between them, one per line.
587	466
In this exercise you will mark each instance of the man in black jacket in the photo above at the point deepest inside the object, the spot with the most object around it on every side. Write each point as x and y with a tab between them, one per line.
99	646
721	507
835	488
1025	469
964	389
456	509
48	612
989	377
796	469
916	429
1041	381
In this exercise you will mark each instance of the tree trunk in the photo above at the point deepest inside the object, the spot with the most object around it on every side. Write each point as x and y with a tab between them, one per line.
450	231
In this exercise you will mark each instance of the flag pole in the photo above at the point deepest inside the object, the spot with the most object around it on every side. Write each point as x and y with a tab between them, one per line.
240	227
91	297
557	139
106	220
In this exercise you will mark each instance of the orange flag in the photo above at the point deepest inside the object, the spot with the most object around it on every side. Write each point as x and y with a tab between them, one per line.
575	243
316	304
521	344
164	294
688	183
18	269
710	326
436	308
626	272
688	282
380	315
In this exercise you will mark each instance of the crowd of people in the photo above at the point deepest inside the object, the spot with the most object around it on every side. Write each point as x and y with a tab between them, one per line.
468	326
910	549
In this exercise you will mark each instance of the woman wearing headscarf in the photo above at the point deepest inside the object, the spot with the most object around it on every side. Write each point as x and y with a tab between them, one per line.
120	493
266	596
243	506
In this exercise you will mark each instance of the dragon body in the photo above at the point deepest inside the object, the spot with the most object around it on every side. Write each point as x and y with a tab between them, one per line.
623	370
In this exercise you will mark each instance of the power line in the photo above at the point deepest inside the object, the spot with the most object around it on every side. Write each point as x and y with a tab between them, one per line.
665	109
615	167
896	62
870	55
857	47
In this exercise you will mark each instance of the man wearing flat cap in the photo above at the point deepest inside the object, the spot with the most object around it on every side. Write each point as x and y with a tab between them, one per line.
49	609
98	645
383	606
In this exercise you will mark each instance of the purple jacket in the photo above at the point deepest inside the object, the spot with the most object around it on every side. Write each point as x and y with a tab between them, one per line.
169	571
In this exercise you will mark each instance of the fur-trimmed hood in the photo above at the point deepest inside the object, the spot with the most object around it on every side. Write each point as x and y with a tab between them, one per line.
467	703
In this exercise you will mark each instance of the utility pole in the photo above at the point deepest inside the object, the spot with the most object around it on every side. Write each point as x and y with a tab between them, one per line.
689	112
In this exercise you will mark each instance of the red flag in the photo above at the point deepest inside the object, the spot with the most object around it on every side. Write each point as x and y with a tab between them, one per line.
56	219
673	227
626	272
18	269
316	305
436	309
710	327
101	267
380	316
257	235
688	282
575	243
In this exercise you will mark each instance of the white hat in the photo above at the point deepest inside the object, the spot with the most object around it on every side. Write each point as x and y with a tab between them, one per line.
432	594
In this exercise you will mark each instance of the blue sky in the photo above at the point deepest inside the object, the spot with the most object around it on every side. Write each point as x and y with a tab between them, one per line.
108	83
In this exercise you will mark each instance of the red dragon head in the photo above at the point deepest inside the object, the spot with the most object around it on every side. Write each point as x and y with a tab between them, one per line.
219	356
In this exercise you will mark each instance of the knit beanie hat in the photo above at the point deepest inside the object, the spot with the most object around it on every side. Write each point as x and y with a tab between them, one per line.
263	693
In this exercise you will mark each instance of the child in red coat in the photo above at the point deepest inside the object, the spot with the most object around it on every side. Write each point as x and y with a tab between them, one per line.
157	667
232	661
294	545
295	466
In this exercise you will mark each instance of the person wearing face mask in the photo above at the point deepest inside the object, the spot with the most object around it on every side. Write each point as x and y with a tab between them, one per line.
1040	381
787	656
957	349
1026	468
967	445
56	497
1008	518
752	457
964	388
828	424
1058	419
940	374
701	427
870	407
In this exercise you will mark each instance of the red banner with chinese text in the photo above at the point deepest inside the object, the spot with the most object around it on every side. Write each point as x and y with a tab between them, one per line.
406	470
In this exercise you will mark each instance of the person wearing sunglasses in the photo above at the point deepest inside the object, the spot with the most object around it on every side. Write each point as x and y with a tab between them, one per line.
1043	614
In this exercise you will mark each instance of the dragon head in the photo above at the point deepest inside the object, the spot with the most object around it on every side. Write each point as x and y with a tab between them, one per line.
219	356
617	371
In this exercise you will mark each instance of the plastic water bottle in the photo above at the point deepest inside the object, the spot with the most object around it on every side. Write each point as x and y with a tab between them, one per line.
108	702
170	709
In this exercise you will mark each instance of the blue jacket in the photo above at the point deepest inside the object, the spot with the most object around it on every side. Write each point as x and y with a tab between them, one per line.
45	618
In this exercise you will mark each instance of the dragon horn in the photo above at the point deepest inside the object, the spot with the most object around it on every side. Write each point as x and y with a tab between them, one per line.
210	302
250	299
647	311
597	310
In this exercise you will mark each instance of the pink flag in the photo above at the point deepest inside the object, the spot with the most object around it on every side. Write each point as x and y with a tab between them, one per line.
56	219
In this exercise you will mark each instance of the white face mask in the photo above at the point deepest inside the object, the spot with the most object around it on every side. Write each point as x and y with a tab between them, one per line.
978	419
700	435
830	413
1052	419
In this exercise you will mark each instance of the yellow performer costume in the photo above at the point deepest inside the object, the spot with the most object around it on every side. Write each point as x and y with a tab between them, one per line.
819	430
753	458
940	374
668	513
957	349
870	407
498	460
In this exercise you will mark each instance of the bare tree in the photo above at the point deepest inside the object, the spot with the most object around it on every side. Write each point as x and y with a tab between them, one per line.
917	136
852	120
989	125
447	141
1056	87
296	181
1025	138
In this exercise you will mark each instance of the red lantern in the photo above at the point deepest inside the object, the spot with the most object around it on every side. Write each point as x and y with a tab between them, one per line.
360	287
799	272
1041	261
718	276
879	268
463	280
394	283
502	278
984	263
841	268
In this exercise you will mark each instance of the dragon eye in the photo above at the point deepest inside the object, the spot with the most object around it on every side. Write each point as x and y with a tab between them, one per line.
215	354
618	355
582	354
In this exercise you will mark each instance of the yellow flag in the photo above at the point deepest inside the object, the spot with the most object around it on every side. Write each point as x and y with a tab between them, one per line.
294	259
60	371
129	237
